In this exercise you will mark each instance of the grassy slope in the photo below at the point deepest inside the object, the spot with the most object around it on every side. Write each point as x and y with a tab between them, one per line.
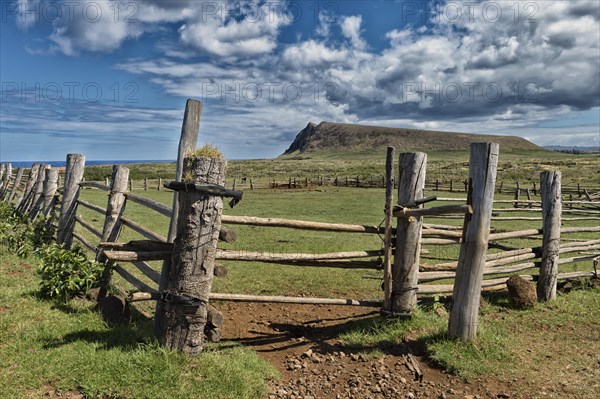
46	347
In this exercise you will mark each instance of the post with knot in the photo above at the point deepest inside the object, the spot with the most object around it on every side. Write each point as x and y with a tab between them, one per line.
181	319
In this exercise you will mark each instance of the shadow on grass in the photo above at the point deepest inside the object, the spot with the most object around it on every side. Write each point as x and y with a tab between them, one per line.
126	336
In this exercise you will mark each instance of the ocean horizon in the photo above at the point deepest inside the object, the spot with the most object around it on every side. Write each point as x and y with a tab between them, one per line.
58	164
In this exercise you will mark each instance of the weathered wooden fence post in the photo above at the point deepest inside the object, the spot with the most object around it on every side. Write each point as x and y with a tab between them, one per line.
15	187
464	315
37	201
187	143
159	186
550	186
411	175
6	181
387	234
50	187
25	195
112	221
145	184
180	322
66	220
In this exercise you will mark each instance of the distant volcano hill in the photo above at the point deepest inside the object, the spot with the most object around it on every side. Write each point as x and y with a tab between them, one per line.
328	137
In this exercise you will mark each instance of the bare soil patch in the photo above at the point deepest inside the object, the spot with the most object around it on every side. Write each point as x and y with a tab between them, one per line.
302	342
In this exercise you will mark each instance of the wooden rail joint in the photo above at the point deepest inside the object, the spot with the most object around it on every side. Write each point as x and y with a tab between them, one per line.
210	189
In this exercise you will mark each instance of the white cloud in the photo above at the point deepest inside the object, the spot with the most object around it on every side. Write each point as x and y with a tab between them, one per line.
351	29
311	54
228	32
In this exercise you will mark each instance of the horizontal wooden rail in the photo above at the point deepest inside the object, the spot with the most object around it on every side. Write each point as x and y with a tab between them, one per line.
153	295
93	207
298	300
94	185
154	205
515	234
88	226
273	257
440	232
340	264
131	256
440	241
488	271
300	224
441	226
149	234
494	284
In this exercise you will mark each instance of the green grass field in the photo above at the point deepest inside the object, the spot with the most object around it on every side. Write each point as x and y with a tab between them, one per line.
68	347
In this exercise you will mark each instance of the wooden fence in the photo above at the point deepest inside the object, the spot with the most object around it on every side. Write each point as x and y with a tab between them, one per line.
404	276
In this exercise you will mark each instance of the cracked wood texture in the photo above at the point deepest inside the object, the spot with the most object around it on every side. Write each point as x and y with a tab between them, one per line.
112	221
66	220
550	184
187	142
181	326
464	315
405	273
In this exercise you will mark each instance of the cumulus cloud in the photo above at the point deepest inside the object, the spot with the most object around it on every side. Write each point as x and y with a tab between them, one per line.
490	69
249	30
351	29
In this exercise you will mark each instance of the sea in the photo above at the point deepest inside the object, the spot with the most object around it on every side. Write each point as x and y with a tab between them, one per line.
58	164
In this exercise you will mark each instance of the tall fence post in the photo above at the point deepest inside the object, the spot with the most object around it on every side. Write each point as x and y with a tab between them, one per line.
37	201
412	168
550	186
179	324
464	315
112	221
187	142
387	235
66	220
49	193
15	186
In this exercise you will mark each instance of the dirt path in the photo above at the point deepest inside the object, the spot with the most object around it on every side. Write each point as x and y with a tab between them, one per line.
302	342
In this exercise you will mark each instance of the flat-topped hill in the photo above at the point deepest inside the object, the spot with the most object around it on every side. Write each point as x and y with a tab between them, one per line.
331	137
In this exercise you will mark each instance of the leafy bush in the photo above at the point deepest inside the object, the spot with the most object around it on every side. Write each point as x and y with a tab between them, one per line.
66	273
21	235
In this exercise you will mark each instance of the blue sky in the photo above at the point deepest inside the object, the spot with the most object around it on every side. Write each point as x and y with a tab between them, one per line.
109	79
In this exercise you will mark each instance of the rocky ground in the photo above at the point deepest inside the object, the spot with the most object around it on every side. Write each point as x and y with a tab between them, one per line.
302	342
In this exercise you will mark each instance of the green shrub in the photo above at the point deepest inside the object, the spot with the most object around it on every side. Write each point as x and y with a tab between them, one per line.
66	273
21	235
